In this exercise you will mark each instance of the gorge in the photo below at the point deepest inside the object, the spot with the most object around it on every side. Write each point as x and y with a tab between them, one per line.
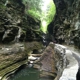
19	40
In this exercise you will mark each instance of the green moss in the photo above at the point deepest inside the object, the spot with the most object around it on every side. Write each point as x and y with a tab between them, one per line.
11	68
49	15
2	6
41	10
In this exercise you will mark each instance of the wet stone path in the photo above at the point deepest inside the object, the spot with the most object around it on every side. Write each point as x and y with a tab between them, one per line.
73	57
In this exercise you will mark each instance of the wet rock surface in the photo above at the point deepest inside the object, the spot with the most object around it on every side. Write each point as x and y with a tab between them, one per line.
11	48
55	62
16	26
47	64
65	27
67	21
73	57
10	57
51	64
14	55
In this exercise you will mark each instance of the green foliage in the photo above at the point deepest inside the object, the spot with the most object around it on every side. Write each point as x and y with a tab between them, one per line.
40	10
2	6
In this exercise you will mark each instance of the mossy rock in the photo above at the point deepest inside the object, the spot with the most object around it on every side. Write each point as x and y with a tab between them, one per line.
41	10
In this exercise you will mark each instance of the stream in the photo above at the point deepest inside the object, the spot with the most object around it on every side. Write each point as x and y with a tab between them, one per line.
69	72
27	74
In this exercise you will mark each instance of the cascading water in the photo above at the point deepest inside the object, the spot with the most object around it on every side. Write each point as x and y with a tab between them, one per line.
18	35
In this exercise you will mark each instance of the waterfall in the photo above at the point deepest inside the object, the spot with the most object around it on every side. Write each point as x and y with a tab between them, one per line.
18	35
6	2
6	34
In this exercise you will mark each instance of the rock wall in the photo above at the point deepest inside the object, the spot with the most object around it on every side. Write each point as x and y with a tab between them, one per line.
66	26
14	55
15	25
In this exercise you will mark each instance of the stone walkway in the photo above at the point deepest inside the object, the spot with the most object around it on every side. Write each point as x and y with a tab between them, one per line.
70	71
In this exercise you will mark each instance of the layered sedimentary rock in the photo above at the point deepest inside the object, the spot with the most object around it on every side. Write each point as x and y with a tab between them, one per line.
66	25
14	55
51	63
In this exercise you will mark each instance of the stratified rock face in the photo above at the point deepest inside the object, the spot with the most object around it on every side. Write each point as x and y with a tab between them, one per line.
51	64
67	22
14	55
48	64
15	25
10	20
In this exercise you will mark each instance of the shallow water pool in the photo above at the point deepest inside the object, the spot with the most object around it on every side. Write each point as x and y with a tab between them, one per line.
26	74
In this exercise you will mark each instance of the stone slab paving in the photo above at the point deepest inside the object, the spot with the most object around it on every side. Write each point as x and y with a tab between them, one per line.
70	71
